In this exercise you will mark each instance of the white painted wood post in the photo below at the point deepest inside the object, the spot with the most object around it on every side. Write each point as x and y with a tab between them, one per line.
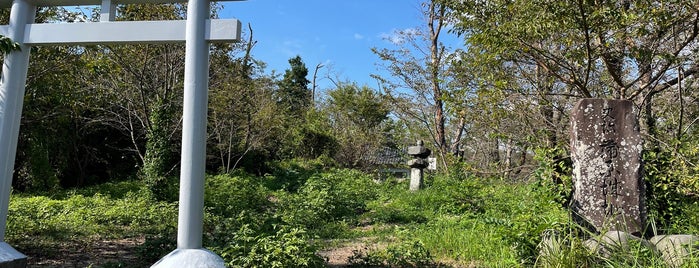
12	86
196	77
189	252
107	11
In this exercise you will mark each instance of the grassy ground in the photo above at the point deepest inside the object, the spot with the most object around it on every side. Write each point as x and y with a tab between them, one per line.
288	218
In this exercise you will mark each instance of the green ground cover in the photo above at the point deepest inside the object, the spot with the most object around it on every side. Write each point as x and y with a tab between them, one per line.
284	219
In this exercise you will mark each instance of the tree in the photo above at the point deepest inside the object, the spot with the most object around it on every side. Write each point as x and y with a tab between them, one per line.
60	139
534	59
618	49
293	92
359	122
244	118
547	54
420	79
306	134
143	86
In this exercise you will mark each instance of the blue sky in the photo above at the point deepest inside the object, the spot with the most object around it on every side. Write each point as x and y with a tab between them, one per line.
339	34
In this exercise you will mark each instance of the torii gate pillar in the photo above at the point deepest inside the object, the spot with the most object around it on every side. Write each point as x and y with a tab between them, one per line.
12	85
189	252
198	30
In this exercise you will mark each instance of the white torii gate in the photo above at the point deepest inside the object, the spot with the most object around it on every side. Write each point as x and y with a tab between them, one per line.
197	31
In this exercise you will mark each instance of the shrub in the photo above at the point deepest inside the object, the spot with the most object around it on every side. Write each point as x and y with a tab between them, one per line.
82	216
229	195
672	187
331	196
290	175
409	253
287	247
554	172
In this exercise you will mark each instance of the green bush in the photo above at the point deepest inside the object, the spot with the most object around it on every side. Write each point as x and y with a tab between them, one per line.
338	195
409	253
49	224
86	216
290	175
554	172
158	161
489	221
466	239
286	247
672	187
229	195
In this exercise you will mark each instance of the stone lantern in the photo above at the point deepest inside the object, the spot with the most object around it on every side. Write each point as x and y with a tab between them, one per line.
418	164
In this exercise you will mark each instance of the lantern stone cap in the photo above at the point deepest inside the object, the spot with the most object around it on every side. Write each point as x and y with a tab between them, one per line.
41	3
419	150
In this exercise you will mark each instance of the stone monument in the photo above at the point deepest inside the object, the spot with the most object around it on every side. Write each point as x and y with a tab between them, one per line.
606	145
418	164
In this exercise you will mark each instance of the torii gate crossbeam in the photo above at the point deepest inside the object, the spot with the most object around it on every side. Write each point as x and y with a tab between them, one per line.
197	32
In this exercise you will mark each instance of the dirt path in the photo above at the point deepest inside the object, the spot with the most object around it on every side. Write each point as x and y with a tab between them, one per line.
100	253
338	256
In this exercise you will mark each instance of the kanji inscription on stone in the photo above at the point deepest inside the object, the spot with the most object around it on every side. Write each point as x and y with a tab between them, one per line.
606	147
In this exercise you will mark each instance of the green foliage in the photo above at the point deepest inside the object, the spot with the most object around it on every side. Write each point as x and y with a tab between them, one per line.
246	122
308	136
41	174
338	195
290	174
286	247
158	163
293	92
568	249
315	139
554	172
456	212
76	216
672	185
635	254
467	239
358	120
446	195
464	219
7	45
519	214
242	228
157	245
230	195
409	253
357	106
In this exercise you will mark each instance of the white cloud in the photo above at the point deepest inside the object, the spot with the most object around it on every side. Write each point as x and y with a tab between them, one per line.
292	47
398	37
358	36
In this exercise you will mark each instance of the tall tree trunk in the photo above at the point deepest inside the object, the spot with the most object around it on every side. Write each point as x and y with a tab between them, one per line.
649	119
456	143
495	151
314	85
546	108
435	23
644	69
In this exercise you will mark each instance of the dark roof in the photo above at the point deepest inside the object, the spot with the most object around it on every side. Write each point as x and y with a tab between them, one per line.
387	156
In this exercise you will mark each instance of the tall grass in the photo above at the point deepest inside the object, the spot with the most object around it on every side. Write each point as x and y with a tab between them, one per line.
459	220
488	222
